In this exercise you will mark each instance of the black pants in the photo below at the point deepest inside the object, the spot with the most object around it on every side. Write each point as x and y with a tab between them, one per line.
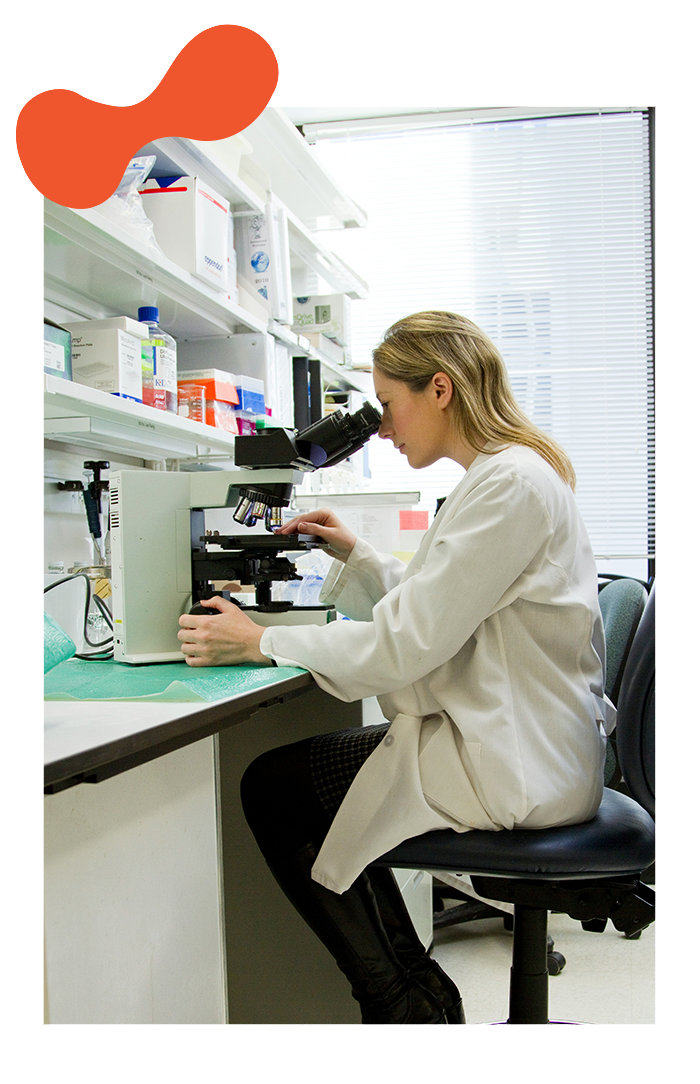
291	794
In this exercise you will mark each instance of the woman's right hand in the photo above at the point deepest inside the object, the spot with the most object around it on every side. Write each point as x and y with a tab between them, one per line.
339	540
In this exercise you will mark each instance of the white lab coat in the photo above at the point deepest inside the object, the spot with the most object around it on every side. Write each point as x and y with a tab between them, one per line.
486	653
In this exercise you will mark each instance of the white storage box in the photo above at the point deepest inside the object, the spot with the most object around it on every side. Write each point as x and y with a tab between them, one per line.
326	313
106	354
262	252
190	221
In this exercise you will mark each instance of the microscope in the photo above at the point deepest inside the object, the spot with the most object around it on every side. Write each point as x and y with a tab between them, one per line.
277	459
165	559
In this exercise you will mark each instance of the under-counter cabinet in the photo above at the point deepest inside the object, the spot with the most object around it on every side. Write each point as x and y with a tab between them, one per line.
159	908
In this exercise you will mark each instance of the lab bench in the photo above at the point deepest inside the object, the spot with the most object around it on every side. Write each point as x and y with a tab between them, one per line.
159	907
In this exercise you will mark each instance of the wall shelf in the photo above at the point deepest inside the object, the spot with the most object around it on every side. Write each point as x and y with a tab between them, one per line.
97	269
297	177
190	158
304	246
315	194
76	414
300	346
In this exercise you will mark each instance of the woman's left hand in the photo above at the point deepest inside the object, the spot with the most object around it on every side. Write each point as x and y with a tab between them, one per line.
227	638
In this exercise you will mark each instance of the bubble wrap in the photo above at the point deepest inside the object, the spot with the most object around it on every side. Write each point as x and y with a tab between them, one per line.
57	646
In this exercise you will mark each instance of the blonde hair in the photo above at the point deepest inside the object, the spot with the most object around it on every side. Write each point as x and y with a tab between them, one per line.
485	409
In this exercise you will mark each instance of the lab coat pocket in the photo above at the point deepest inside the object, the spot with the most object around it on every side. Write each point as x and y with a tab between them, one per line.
450	776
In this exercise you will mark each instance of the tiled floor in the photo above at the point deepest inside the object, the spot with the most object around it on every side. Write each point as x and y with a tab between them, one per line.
607	979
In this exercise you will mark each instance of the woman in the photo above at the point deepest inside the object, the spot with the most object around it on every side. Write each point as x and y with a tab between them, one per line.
486	653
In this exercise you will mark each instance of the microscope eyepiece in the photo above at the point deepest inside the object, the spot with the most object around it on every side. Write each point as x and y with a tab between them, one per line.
322	444
340	434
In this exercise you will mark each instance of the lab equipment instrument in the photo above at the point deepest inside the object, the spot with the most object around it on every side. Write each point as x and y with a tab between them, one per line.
165	558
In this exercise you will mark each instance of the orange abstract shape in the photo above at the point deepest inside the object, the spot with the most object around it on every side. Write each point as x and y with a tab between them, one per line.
216	86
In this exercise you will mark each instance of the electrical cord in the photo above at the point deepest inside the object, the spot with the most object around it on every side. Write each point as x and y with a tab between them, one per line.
107	644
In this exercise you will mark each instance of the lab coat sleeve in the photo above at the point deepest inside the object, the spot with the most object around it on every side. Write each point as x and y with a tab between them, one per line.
355	587
501	527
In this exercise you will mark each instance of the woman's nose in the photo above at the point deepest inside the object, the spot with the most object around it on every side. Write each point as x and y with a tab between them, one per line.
385	430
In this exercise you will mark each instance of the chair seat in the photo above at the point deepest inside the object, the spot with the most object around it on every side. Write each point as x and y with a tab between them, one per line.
617	842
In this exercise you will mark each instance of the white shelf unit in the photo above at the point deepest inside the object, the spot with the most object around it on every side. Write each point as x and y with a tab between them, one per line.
311	198
96	269
75	414
305	250
189	158
297	177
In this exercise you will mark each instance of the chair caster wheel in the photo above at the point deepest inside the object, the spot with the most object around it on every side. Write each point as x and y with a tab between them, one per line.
555	963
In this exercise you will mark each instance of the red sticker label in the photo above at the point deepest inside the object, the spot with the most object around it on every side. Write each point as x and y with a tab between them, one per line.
413	521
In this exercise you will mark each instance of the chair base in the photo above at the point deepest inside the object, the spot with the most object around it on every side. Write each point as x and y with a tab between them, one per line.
628	903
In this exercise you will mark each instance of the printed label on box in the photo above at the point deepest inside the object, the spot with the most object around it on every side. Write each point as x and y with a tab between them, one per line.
54	356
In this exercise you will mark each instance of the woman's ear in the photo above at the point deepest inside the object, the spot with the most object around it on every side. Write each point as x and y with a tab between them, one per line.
443	389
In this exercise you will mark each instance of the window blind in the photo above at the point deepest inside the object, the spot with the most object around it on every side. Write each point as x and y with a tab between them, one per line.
539	230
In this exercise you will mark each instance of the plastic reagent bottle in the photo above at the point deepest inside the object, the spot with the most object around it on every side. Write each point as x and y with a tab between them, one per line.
158	363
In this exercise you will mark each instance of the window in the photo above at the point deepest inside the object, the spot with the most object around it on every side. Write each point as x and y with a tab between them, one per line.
540	231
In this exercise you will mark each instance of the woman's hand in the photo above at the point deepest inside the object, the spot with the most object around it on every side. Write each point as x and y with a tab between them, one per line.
224	639
340	541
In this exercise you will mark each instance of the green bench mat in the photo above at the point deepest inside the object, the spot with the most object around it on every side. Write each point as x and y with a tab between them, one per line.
105	679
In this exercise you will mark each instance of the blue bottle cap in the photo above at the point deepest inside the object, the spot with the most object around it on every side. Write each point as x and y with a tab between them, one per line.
148	312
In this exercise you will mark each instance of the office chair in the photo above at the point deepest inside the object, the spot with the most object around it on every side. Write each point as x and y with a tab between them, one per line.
591	871
622	601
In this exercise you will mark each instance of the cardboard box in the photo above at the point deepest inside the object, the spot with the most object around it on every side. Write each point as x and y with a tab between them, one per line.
106	354
190	221
327	348
217	384
57	350
326	313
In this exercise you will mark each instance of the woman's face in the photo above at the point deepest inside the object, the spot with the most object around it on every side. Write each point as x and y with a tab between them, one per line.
417	423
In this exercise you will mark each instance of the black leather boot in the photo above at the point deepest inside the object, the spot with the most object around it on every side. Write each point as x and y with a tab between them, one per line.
350	927
408	947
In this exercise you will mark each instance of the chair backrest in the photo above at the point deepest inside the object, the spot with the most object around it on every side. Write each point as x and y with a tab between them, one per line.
636	713
622	602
